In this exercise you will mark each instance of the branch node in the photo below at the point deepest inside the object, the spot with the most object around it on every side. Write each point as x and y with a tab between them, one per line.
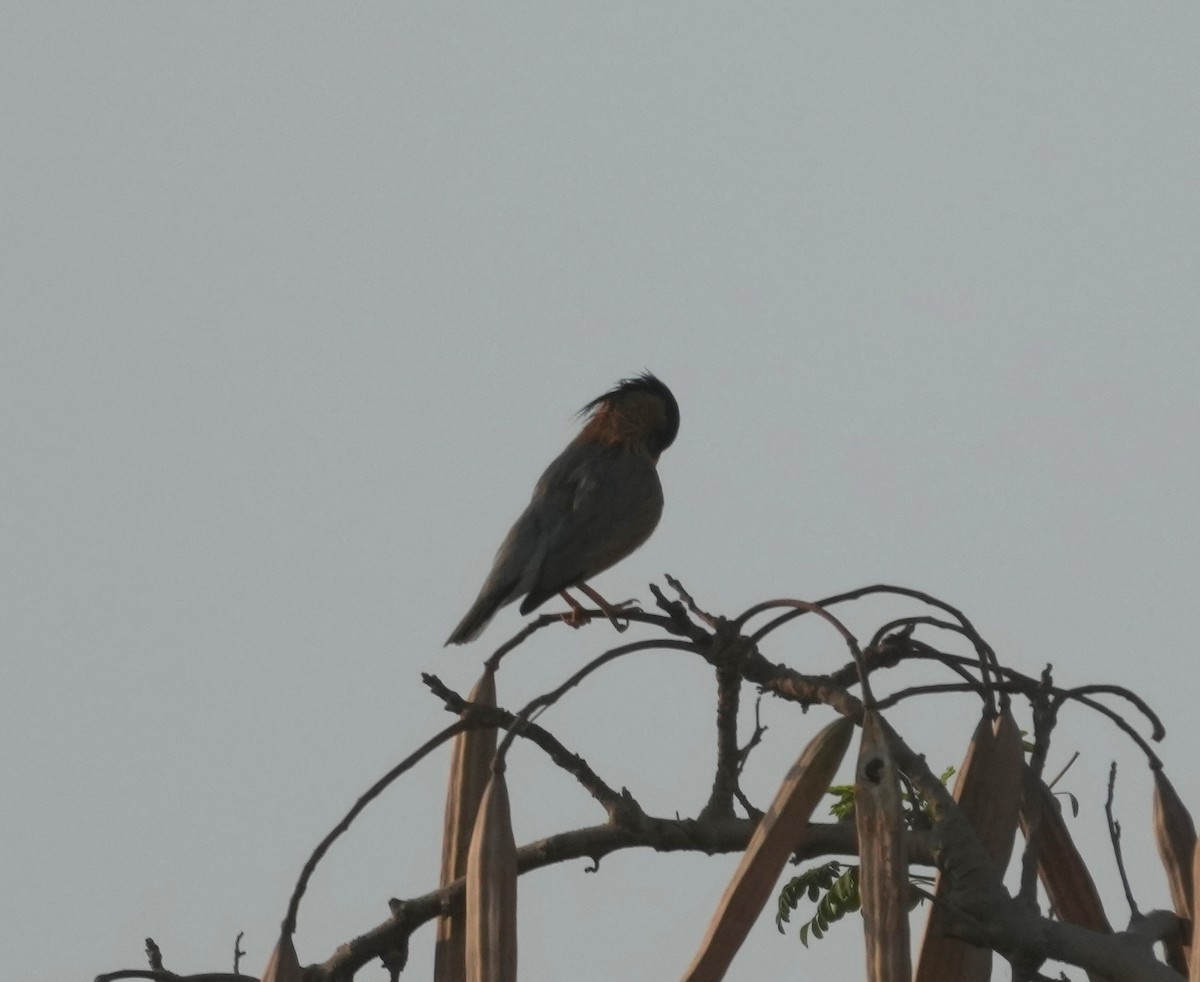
154	955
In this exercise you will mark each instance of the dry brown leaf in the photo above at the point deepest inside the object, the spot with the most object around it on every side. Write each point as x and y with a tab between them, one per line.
997	825
1175	833
470	767
988	791
883	860
283	965
1061	868
1064	874
1176	836
1194	961
767	853
492	889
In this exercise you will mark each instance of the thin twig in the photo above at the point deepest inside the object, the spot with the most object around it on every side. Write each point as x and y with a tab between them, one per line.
546	620
1044	717
805	607
703	615
1158	730
755	737
1114	834
1121	724
938	688
142	973
539	704
376	789
678	621
987	657
154	956
901	623
614	802
1066	767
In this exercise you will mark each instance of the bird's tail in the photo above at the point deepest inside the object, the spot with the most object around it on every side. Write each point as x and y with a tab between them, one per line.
476	619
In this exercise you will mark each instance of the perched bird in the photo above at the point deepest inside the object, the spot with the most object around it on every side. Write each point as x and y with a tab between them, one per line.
596	503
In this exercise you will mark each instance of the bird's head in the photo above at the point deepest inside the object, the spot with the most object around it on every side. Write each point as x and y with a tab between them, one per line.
637	412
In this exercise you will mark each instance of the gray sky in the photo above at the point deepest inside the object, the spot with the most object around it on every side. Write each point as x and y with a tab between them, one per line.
299	299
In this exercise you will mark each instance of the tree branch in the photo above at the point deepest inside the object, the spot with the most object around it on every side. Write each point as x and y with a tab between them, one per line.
594	843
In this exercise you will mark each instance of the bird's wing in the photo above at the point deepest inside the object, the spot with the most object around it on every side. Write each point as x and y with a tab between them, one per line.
597	506
515	567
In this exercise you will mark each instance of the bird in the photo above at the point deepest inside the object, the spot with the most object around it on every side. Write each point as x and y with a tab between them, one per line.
595	504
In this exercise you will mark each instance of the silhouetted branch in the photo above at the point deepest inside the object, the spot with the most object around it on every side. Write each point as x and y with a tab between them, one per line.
1158	730
725	781
154	956
539	704
988	916
1045	715
982	911
376	789
1114	835
611	800
594	843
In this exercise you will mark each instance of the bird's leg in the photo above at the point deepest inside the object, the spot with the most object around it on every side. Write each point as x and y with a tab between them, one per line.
578	616
611	611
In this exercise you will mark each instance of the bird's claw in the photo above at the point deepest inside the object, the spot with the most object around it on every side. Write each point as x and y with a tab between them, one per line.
614	609
576	617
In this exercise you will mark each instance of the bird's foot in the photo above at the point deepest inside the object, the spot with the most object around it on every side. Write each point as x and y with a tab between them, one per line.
576	617
611	611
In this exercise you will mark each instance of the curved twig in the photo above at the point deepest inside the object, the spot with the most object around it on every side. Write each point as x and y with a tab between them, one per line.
917	621
1159	731
799	607
1119	720
145	973
539	704
289	922
546	620
939	688
612	801
988	661
955	663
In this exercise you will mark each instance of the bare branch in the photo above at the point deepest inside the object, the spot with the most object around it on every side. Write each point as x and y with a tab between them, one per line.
981	910
612	801
594	843
1114	834
725	781
289	922
1045	715
154	955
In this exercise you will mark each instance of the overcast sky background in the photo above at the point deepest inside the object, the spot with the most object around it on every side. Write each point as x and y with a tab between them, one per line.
298	300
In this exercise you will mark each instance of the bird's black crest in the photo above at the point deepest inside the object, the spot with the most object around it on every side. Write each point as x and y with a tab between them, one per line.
650	385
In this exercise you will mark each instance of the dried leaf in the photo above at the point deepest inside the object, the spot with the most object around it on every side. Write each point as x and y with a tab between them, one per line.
772	843
1061	868
1194	962
1175	833
492	889
988	791
283	965
470	768
883	859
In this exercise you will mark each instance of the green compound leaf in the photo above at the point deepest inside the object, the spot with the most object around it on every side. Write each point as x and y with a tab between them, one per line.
833	887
